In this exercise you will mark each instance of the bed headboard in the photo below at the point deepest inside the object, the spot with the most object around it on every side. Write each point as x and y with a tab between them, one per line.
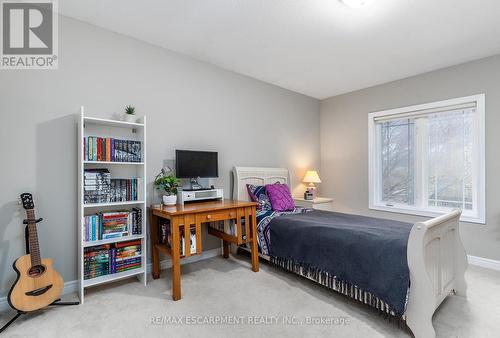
257	176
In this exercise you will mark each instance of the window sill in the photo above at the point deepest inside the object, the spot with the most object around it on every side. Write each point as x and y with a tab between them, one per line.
425	213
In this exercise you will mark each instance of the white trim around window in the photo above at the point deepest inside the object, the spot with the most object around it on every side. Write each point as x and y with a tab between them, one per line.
420	205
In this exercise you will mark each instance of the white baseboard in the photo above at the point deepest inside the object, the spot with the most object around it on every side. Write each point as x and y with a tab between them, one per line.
484	262
72	286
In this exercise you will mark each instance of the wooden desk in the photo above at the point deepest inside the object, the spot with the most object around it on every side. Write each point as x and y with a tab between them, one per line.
182	217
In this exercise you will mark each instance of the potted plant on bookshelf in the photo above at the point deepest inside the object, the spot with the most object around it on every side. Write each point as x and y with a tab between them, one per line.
129	115
169	183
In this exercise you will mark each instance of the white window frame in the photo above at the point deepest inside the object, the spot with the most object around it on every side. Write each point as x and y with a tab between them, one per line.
478	214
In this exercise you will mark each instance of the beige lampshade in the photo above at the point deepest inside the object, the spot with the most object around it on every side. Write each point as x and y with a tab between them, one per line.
311	177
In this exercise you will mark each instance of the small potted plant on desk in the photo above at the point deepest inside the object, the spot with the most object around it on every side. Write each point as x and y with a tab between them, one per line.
169	183
129	115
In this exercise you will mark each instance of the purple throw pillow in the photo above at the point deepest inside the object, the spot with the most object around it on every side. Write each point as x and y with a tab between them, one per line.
258	194
280	197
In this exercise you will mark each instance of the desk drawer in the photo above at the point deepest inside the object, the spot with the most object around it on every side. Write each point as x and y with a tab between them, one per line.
214	216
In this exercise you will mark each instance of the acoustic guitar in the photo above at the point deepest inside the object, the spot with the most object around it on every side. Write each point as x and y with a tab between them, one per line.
38	284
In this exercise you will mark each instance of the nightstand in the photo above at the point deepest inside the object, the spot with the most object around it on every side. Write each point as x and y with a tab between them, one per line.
319	203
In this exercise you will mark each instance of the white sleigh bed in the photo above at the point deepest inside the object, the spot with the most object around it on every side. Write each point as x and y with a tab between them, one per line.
435	254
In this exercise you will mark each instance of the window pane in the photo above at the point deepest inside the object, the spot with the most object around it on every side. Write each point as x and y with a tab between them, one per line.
450	159
397	161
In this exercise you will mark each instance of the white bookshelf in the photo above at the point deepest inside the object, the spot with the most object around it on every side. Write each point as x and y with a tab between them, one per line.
114	163
114	277
112	204
112	240
93	126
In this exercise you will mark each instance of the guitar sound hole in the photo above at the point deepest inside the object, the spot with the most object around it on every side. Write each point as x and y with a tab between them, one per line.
36	270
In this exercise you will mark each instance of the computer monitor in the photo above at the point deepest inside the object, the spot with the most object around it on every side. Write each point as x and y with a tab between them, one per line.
193	164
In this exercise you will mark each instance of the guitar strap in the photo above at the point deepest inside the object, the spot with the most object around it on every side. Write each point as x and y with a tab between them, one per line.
26	239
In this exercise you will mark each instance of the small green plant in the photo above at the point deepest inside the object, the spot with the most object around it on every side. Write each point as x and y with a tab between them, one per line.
130	110
167	182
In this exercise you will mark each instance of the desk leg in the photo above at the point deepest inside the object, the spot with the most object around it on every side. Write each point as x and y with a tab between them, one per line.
225	249
155	253
255	250
176	260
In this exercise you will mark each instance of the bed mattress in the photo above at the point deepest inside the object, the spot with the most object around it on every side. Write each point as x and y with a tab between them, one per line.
364	257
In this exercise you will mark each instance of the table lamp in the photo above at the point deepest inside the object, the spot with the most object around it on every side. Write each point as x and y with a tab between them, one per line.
311	177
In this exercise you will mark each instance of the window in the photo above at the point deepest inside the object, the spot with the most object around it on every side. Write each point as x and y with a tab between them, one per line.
429	159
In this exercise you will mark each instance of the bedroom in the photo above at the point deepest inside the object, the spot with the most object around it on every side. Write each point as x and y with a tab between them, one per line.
278	84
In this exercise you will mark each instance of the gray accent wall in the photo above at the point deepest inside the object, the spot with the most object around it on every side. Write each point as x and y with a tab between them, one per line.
189	105
344	141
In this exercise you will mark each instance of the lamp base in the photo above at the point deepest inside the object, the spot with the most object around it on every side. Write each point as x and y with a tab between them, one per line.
311	190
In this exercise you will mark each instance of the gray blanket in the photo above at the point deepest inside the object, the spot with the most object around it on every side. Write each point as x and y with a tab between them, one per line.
366	252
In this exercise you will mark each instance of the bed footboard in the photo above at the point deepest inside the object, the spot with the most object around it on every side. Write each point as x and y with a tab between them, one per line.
437	263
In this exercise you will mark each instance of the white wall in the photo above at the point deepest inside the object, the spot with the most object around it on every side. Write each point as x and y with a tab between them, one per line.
344	141
189	104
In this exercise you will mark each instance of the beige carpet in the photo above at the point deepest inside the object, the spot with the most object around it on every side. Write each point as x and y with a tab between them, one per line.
270	303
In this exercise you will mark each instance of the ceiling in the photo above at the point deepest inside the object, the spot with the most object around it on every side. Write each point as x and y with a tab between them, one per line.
320	48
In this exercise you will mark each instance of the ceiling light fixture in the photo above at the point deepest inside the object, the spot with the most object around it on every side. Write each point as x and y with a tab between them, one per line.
357	3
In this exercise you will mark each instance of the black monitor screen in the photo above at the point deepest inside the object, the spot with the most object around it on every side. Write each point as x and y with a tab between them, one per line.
192	164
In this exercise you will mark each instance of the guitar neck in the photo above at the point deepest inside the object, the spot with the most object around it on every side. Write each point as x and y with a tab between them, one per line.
33	238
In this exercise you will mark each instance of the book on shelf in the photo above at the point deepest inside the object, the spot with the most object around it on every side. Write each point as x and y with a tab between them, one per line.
109	149
107	259
183	244
137	221
99	187
165	237
113	224
96	185
128	255
192	238
96	261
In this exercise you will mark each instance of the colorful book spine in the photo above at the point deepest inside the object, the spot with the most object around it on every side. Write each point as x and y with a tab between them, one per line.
111	150
108	149
99	148
107	259
86	229
107	225
93	229
113	260
94	148
90	149
103	149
